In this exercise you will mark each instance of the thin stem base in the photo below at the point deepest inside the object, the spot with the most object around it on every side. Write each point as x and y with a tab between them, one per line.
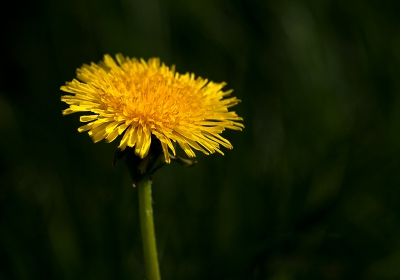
147	227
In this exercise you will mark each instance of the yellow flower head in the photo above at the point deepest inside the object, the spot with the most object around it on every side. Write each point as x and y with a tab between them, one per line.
142	99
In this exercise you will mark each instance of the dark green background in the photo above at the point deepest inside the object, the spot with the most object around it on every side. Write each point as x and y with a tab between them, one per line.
310	190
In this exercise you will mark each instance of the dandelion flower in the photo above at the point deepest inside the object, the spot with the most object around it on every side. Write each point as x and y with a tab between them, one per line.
141	100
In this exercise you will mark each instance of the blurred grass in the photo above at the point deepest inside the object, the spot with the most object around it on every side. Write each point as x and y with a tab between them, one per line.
310	190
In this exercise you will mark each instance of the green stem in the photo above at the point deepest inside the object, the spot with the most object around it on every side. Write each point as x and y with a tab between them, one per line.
147	226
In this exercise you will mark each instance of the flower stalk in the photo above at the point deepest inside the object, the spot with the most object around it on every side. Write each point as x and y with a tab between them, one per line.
147	228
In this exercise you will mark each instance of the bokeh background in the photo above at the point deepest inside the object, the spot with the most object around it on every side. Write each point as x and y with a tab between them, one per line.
311	189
